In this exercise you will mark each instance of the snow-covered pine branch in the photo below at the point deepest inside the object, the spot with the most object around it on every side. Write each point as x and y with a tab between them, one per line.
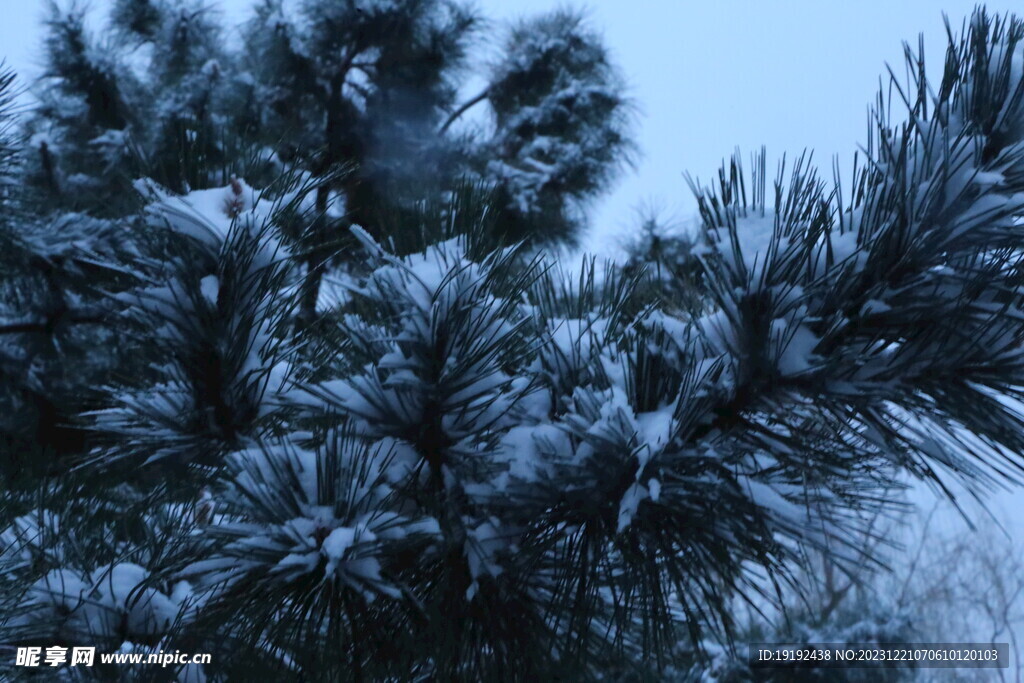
561	124
475	468
692	449
214	303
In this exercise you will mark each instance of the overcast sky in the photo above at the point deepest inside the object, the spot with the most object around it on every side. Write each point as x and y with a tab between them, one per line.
707	77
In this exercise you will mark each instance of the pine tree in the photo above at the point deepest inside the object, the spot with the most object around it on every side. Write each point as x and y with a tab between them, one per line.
560	124
361	95
78	139
669	254
478	468
54	344
146	100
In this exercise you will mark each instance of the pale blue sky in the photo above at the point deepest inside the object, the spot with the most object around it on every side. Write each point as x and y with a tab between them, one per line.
708	76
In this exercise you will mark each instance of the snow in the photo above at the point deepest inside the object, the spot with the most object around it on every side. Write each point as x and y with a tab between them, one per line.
756	235
112	602
337	544
655	428
483	544
523	448
631	499
210	287
207	216
491	412
577	338
781	509
29	536
796	344
654	489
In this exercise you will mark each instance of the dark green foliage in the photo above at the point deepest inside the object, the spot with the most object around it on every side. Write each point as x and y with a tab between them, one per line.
84	116
418	450
560	118
10	146
139	19
669	257
51	318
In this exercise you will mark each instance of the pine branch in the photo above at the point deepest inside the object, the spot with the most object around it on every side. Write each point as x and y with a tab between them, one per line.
475	464
49	326
463	108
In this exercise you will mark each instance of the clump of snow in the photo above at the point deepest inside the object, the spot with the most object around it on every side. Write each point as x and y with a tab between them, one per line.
108	605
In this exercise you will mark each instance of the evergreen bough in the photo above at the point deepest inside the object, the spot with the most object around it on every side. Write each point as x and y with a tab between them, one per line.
476	468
